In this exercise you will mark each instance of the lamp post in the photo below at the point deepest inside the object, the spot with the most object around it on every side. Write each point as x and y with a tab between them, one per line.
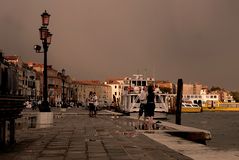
45	37
63	87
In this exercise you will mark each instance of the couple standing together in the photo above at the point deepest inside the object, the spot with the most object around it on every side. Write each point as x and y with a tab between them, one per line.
147	106
93	103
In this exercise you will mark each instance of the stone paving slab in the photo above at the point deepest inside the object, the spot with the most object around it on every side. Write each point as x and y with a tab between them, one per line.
81	137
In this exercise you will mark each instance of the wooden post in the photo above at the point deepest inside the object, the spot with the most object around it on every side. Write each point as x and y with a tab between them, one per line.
179	101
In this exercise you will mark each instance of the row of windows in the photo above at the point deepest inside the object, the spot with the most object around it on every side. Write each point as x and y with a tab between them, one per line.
199	96
138	83
192	96
116	93
116	87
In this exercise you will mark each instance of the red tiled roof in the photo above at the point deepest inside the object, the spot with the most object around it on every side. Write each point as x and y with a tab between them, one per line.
89	82
113	82
11	57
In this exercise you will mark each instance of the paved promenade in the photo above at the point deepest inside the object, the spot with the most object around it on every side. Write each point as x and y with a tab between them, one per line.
77	136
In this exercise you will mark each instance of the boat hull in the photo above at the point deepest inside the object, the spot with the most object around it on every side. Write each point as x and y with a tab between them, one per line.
220	109
191	110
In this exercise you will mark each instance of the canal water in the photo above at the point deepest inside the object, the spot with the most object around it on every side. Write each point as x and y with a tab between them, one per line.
224	127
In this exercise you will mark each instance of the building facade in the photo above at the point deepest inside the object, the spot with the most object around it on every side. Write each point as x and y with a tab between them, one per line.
102	91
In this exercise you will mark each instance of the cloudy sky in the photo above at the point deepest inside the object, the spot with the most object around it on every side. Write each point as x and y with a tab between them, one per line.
196	40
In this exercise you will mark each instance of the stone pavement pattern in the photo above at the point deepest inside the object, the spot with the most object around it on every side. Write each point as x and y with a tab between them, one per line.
81	137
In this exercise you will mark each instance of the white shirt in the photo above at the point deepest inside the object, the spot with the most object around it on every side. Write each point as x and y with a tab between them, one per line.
95	100
143	97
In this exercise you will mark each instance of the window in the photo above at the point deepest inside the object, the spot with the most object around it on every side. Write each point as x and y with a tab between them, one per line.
143	83
51	93
133	83
116	93
138	83
195	105
115	87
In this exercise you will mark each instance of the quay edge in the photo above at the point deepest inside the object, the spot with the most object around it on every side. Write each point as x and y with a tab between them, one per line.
186	132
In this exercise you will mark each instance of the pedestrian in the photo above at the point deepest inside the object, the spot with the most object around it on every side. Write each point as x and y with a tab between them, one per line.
143	102
150	107
95	99
91	103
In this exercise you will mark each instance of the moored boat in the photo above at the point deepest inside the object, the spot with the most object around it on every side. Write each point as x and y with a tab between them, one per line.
221	106
191	108
130	98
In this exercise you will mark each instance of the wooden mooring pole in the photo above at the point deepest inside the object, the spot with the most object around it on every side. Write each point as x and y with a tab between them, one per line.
179	101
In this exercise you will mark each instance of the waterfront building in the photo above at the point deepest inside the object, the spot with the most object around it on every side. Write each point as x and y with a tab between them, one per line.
38	86
102	91
38	69
55	84
201	98
68	89
192	88
75	91
116	89
18	63
29	79
8	77
224	95
165	84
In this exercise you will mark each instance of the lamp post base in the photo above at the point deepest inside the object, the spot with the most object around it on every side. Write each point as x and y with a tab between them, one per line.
44	107
63	109
44	119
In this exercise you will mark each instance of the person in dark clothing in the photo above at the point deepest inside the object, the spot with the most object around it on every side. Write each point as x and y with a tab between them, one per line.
150	107
91	103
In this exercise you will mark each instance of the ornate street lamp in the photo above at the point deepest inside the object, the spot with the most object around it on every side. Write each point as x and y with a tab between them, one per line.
63	87
45	18
45	37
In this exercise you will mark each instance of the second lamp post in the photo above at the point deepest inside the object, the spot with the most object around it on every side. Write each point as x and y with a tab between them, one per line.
63	88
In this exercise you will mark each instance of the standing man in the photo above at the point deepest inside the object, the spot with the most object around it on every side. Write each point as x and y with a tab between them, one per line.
143	102
95	98
90	101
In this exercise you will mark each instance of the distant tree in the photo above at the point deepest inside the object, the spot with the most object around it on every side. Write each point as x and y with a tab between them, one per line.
165	89
215	89
235	95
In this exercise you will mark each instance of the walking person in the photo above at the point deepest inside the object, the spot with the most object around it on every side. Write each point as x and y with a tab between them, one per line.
91	103
150	107
95	99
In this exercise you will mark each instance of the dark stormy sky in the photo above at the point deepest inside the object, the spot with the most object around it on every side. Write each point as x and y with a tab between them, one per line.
197	40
